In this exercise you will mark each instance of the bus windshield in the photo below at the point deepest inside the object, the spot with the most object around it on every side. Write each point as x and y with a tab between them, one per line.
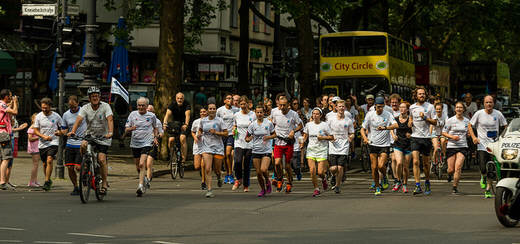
346	46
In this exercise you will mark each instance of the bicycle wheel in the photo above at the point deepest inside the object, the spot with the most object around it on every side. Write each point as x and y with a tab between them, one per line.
180	165
173	165
85	179
440	165
365	159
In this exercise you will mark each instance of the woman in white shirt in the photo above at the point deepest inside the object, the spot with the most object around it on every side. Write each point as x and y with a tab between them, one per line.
197	146
318	133
242	155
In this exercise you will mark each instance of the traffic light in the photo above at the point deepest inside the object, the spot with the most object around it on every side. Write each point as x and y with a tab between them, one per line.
71	43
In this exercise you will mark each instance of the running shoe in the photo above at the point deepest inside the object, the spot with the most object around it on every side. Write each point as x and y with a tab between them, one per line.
203	186
385	183
209	194
261	194
417	190
269	188
236	185
231	179
316	193
483	182
378	191
427	188
140	191
337	190
34	184
487	194
288	188
373	186
404	188
279	185
396	186
10	186
75	191
455	191
3	186
47	185
147	182
325	185
219	181
226	180
246	189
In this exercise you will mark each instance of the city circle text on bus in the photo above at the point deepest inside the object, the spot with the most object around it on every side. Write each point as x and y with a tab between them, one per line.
353	66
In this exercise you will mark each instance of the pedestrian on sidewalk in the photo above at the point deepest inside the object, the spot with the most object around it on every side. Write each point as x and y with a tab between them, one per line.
32	149
8	107
14	144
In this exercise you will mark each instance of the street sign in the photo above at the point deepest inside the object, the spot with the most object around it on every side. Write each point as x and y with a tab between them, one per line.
73	9
38	9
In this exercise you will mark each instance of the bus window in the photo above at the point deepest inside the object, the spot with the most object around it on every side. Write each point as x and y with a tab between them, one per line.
353	46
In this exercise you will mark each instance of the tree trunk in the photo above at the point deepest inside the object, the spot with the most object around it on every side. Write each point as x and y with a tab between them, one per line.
243	55
169	58
305	54
351	18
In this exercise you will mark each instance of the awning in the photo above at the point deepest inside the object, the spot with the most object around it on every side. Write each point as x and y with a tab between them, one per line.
7	64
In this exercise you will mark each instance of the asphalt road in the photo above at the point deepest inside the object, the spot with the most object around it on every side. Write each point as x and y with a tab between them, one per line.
177	212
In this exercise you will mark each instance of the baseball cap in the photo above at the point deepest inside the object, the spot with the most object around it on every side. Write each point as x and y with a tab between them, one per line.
370	96
380	100
335	99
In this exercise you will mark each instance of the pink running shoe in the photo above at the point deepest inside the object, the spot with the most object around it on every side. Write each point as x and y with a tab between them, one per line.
404	189
396	187
269	188
325	185
261	194
33	184
316	193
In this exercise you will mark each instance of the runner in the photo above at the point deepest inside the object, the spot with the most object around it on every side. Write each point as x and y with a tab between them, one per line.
438	140
369	99
402	147
375	133
286	123
154	153
318	133
197	147
488	122
422	118
342	128
471	107
72	155
225	113
394	101
456	130
47	126
297	159
306	109
261	132
143	126
333	112
242	157
212	130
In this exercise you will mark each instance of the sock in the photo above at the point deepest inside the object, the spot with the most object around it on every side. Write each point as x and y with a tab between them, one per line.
418	184
140	185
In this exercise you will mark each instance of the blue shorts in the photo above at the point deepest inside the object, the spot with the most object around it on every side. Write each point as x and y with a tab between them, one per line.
405	152
228	141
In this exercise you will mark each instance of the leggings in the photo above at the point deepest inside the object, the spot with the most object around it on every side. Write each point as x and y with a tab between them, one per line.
242	165
483	158
296	162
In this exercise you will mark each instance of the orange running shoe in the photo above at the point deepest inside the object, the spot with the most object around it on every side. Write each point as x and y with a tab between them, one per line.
288	188
279	186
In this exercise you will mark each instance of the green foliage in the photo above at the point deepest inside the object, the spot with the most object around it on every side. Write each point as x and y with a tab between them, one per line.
2	12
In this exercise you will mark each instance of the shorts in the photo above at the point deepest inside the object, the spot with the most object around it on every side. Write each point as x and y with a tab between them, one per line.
50	151
378	150
175	129
261	155
317	159
404	151
338	160
154	152
483	158
72	156
100	148
137	152
287	150
6	152
423	145
452	151
228	141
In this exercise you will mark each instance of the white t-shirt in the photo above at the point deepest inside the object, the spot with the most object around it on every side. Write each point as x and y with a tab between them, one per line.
69	119
212	143
97	123
421	128
258	131
242	122
444	111
487	126
334	114
197	147
340	129
143	135
283	124
48	125
317	148
385	108
365	108
437	129
470	110
456	127
353	111
227	118
158	123
378	138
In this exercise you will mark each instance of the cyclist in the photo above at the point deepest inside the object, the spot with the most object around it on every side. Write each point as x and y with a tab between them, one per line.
342	128
422	113
226	113
179	111
375	133
143	127
154	153
242	157
488	122
211	131
261	132
286	123
48	125
100	123
402	149
72	154
8	107
318	133
197	147
456	130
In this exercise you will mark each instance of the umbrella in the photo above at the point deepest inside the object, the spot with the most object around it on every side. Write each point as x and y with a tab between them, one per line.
119	63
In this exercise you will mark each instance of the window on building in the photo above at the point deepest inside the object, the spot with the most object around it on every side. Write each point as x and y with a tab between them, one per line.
267	14
233	8
256	20
223	44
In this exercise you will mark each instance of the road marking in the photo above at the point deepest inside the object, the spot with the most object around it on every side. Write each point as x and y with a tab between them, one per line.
10	241
53	242
90	235
165	242
10	228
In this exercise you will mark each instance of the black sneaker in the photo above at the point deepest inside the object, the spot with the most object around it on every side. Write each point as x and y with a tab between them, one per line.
333	180
455	191
3	186
219	181
47	185
75	192
337	190
203	186
139	191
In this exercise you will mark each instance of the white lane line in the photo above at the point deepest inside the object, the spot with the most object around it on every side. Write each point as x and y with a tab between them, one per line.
165	242
11	241
90	235
53	242
10	228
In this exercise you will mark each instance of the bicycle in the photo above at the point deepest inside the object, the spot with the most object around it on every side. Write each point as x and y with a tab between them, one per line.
438	164
175	162
365	158
89	177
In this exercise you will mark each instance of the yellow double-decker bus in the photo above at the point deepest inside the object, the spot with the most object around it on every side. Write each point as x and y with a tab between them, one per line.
366	62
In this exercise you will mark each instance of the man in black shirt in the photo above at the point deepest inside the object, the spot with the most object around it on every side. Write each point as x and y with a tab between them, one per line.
179	111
